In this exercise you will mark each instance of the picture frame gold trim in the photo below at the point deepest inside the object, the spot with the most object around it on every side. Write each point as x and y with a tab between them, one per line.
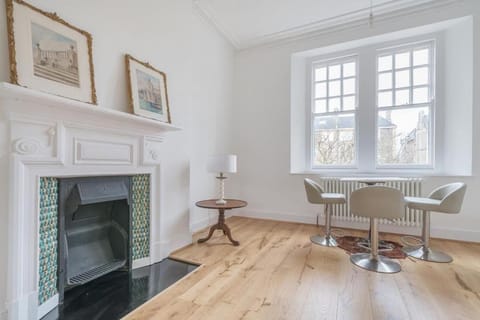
147	65
53	16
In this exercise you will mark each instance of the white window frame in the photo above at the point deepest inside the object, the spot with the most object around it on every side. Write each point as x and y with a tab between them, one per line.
366	158
313	115
410	47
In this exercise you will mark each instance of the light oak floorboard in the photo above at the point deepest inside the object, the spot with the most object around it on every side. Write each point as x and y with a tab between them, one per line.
277	273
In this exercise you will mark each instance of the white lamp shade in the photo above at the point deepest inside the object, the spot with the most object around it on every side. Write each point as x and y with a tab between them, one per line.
224	163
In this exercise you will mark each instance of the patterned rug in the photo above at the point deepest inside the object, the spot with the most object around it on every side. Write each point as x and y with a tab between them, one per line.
351	245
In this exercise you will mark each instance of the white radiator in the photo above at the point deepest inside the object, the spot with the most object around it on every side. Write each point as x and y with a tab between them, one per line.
411	187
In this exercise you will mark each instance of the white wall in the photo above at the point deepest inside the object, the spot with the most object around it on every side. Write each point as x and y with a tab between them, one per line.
199	67
457	95
261	130
212	89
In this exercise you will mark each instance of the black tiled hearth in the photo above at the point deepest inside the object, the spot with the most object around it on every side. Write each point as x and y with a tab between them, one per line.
116	294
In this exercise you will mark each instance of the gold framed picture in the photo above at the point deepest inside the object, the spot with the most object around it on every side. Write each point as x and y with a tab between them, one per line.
147	90
49	54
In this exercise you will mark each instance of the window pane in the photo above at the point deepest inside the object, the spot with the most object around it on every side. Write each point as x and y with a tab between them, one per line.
402	60
402	97
385	99
421	57
334	140
320	106
334	72
402	78
334	88
334	104
349	86
321	74
349	103
385	63
349	69
420	95
385	81
420	76
403	136
321	90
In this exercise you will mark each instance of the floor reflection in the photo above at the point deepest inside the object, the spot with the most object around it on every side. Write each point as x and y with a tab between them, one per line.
116	294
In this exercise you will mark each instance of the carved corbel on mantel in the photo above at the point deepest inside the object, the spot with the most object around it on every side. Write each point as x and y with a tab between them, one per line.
152	150
27	146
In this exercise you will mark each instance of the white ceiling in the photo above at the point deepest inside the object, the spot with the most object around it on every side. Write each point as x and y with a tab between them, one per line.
252	22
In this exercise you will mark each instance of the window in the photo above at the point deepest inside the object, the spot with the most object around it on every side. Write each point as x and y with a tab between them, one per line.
405	106
334	112
414	104
391	126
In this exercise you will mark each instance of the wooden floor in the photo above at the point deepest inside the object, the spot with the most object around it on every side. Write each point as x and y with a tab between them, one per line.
276	273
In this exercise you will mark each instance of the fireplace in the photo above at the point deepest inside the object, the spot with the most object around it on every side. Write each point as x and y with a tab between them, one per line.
46	139
94	233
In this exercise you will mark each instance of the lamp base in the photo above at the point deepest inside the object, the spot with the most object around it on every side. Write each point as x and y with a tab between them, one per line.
221	201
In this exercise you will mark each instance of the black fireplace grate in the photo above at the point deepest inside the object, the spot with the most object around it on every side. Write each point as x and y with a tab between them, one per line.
94	229
97	272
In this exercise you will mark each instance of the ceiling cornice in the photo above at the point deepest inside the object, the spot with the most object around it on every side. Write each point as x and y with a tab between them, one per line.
388	10
206	12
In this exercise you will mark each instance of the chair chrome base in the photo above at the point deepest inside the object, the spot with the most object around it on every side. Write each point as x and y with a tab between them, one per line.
381	264
324	240
427	254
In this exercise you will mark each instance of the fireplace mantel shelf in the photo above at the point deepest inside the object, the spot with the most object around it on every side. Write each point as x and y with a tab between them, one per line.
48	105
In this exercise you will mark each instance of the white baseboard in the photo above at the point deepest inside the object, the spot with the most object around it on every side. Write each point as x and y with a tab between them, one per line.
287	217
47	306
456	234
207	221
201	224
390	228
443	233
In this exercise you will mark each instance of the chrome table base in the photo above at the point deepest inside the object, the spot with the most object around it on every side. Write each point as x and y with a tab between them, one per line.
380	264
326	241
427	254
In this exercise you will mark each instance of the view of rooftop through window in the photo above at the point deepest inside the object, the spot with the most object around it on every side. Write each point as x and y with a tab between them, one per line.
404	99
335	103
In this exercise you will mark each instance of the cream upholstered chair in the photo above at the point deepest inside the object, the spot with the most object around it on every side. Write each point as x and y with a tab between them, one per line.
316	195
445	199
376	202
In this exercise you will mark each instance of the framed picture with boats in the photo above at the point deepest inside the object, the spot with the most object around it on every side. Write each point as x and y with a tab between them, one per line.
147	89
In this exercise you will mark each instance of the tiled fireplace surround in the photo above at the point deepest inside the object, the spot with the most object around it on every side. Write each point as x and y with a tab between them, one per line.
48	231
50	137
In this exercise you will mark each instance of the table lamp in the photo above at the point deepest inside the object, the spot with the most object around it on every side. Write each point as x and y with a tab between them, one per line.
221	164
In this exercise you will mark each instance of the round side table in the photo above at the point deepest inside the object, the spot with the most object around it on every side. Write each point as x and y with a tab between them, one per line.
211	204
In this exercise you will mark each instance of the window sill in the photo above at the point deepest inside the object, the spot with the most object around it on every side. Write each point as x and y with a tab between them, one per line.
378	173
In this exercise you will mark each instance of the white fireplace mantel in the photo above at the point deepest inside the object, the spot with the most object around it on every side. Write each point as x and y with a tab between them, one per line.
49	105
46	135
